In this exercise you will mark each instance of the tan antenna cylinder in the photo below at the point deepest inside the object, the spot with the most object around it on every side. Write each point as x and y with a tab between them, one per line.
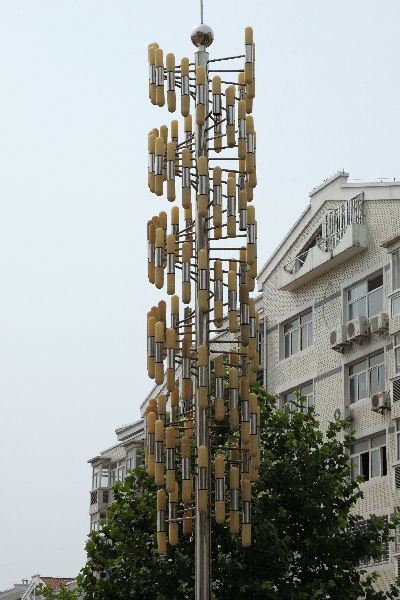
200	95
159	166
242	142
230	116
244	314
243	210
187	522
250	144
248	65
233	357
202	492
170	438
160	99
251	87
159	258
159	463
202	197
202	362
186	287
150	422
161	531
203	292
159	342
234	513
170	264
153	405
152	86
253	176
162	312
151	323
171	95
234	453
173	526
175	228
251	351
220	489
218	294
175	319
217	202
217	110
233	399
219	389
186	480
151	261
232	302
253	424
170	345
246	525
162	407
174	398
186	164
171	195
231	211
251	235
185	98
151	171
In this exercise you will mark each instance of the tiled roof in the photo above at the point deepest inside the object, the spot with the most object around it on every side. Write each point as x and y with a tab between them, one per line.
55	582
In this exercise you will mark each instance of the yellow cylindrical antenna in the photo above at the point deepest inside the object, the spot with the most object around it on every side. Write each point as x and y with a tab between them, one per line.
253	424
241	86
175	229
174	138
203	292
244	313
186	287
251	235
217	202
244	403
175	319
171	96
170	345
151	170
185	90
248	65
151	422
151	323
230	116
234	453
170	438
232	301
251	351
217	111
186	479
220	489
234	513
159	258
153	405
242	130
202	197
152	73
252	178
162	408
151	259
233	399
218	294
219	389
201	97
159	462
159	165
202	362
171	171
160	100
173	525
186	164
161	529
202	466
171	242
250	144
246	520
233	357
159	343
174	399
251	87
187	522
231	208
243	210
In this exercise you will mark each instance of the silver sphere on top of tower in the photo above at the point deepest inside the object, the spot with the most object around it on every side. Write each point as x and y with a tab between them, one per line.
202	35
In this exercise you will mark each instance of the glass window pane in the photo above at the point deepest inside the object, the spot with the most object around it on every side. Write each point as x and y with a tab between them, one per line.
358	308
398	446
364	458
397	340
304	337
375	282
362	386
287	345
291	325
353	389
310	334
295	341
376	359
384	460
381	378
396	306
379	440
397	359
357	367
355	467
359	447
398	425
373	381
306	318
375	302
358	290
306	389
375	463
396	270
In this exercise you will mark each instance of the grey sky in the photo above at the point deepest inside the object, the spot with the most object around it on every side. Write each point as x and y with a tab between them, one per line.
74	116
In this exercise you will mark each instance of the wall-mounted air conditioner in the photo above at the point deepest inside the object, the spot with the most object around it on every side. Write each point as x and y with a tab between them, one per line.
343	414
380	402
338	338
379	323
357	329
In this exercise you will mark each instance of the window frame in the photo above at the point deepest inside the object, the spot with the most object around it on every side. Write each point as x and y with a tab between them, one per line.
367	371
306	406
398	440
298	329
365	296
383	457
394	289
396	351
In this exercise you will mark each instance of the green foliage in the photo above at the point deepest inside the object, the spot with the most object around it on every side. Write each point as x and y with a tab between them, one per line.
63	593
306	543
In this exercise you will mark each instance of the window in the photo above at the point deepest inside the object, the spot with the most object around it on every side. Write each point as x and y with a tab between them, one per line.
384	548
130	461
259	347
367	377
396	269
306	391
368	458
395	306
298	334
113	474
100	477
398	439
139	457
366	299
396	350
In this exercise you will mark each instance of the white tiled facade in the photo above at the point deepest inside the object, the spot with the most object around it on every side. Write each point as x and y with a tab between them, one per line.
322	288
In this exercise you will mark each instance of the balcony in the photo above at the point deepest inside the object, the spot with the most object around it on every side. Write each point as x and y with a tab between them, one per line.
344	236
99	499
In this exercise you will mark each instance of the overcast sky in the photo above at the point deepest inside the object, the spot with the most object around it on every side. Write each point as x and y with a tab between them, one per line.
74	116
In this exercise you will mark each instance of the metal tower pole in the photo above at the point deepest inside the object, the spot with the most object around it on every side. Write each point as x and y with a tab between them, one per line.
202	520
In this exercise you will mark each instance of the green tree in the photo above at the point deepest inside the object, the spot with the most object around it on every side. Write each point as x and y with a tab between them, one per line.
63	593
306	543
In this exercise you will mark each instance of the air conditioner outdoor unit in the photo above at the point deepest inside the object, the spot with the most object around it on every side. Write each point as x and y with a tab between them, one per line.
343	414
357	329
379	323
338	338
380	402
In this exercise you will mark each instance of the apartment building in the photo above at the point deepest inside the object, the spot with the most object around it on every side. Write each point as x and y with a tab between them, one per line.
331	296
